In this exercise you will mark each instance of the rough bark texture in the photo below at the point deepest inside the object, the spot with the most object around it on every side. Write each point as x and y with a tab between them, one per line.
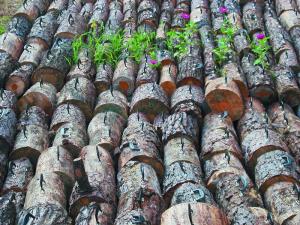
7	65
105	130
180	125
54	66
251	216
167	80
67	113
80	92
20	26
58	5
8	122
149	99
30	142
20	173
103	78
7	210
273	167
71	137
57	160
234	191
3	167
44	28
46	214
45	188
40	94
146	73
11	44
177	174
194	213
252	18
7	99
99	169
101	213
132	217
192	193
114	101
19	80
33	116
100	12
282	199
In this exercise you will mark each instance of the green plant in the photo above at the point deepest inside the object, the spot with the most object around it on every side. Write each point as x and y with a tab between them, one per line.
139	44
178	41
224	47
260	48
3	21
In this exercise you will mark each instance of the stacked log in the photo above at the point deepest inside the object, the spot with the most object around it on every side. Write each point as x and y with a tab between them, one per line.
275	170
259	79
225	175
227	93
287	124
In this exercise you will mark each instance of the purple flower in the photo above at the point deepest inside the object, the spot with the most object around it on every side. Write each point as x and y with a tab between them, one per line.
223	10
153	61
260	36
185	16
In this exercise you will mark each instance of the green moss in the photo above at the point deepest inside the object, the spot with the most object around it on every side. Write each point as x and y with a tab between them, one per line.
3	22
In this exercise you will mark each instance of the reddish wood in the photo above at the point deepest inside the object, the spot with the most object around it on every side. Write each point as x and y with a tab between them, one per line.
30	142
20	172
67	113
286	85
194	213
33	53
44	29
94	213
11	44
222	96
71	137
151	203
103	77
84	68
98	166
40	94
8	122
54	65
146	73
273	167
149	99
253	148
45	213
192	193
167	78
124	76
57	160
251	216
73	24
282	200
179	173
235	190
46	188
19	80
33	116
80	92
114	101
7	99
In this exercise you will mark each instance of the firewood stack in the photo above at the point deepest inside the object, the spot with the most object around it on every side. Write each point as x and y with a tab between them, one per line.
225	175
269	160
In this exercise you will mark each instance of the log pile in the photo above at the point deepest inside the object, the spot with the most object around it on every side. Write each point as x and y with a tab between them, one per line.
191	140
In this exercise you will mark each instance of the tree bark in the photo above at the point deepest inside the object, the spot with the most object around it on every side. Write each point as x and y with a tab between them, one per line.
8	122
33	116
103	78
20	26
11	44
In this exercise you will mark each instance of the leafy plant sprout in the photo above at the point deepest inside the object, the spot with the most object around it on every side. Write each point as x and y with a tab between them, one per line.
260	48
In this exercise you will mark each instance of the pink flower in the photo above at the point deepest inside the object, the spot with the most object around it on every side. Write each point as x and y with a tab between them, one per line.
223	10
260	36
153	61
185	16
